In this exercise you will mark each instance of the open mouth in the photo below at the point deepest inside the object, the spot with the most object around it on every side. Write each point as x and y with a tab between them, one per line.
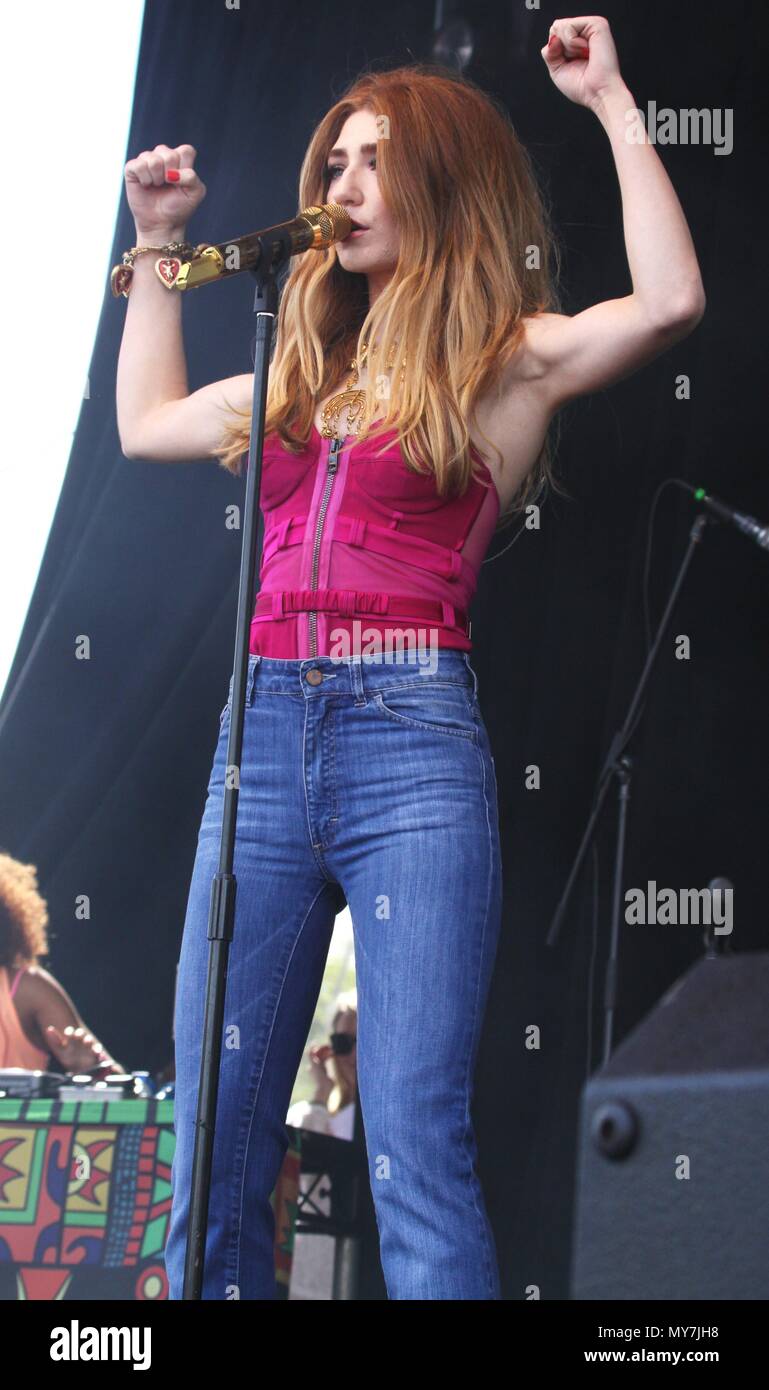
357	227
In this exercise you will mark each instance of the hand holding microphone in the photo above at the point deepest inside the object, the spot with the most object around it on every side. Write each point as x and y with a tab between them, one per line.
163	191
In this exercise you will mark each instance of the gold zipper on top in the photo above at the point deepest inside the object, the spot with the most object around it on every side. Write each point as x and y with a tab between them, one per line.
333	464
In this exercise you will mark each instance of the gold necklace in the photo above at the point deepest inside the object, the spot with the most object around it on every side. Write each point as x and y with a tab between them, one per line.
352	397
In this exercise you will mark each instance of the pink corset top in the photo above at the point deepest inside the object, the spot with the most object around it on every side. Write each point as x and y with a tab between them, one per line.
358	549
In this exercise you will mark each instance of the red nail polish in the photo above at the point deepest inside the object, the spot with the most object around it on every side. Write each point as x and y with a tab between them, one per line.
172	175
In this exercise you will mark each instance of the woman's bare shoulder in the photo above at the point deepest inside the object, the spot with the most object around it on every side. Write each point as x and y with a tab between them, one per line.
38	986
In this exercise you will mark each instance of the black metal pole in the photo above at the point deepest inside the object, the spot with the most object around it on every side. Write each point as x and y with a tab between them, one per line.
623	773
223	887
617	765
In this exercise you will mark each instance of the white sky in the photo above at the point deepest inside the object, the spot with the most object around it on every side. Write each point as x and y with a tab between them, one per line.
67	75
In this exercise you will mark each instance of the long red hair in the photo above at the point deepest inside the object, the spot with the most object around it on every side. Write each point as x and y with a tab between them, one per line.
477	255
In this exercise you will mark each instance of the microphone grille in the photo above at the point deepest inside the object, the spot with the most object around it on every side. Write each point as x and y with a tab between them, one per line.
331	222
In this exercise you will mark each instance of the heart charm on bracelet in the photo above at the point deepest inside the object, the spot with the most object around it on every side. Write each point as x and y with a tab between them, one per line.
168	268
120	280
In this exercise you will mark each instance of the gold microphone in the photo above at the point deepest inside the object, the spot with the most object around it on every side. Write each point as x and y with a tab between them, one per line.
313	230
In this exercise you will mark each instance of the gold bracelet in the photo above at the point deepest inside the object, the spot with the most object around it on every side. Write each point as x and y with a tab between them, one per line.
122	275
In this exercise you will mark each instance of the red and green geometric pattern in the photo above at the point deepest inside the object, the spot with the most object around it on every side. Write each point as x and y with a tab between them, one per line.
85	1197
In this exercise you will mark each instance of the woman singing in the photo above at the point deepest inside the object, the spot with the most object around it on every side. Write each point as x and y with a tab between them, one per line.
417	366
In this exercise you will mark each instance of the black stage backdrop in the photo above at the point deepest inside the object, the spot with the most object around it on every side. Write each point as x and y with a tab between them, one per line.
104	763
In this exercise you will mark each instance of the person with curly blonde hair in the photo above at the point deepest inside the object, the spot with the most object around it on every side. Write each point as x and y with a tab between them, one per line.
38	1020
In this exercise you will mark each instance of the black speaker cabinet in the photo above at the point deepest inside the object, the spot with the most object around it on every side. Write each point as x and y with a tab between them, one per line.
672	1196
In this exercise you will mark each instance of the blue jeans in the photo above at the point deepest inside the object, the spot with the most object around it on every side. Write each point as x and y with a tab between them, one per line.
372	782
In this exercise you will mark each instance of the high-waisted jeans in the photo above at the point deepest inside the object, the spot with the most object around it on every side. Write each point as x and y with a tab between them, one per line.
374	784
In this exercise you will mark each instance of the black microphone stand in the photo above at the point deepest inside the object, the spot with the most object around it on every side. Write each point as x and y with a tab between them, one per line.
275	251
619	765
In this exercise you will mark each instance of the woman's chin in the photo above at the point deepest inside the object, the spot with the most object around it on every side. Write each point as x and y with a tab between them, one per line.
359	258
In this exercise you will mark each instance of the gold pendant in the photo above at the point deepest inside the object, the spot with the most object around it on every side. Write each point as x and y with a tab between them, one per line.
353	400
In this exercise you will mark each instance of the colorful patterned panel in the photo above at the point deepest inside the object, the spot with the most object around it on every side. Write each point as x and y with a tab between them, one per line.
85	1196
